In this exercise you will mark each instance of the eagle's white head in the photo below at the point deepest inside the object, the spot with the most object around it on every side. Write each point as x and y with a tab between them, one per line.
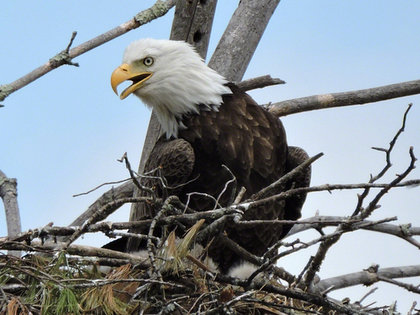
170	77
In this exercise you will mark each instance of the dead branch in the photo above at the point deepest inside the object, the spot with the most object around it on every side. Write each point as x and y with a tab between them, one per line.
388	165
366	277
374	203
103	213
126	190
121	192
133	176
100	186
8	192
326	244
333	100
326	187
159	9
259	82
407	286
79	250
319	257
404	232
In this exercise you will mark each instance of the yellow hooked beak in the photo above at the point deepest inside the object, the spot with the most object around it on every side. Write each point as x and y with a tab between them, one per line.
125	72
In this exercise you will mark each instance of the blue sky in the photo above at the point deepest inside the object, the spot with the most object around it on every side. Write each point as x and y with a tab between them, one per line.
63	134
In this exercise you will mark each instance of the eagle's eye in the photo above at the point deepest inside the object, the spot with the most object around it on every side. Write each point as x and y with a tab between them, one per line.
148	61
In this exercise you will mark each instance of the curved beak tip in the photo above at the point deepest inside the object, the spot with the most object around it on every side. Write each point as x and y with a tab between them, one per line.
118	76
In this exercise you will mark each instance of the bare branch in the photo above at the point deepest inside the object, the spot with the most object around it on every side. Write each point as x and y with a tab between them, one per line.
319	257
366	277
388	163
102	213
404	232
120	192
133	176
374	203
333	100
326	245
80	250
8	192
325	187
100	186
259	82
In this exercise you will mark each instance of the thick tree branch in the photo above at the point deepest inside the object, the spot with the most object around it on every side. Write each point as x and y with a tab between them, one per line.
332	100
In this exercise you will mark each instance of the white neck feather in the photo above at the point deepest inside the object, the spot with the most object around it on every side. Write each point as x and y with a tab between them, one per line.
180	84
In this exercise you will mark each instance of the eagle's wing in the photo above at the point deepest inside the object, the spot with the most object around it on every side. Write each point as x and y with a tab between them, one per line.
251	143
295	157
168	167
294	204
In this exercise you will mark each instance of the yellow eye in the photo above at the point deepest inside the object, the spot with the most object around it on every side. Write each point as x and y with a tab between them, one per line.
148	61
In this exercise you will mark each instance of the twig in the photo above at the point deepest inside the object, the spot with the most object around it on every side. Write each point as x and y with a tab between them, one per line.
101	185
407	286
231	181
404	232
123	191
151	249
240	195
133	176
366	295
63	58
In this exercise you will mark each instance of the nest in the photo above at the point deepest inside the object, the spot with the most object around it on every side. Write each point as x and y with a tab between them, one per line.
60	284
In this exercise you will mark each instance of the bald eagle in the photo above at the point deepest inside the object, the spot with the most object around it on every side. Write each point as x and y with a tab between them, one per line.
216	139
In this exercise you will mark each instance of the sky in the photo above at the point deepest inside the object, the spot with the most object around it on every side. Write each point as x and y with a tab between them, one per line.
62	134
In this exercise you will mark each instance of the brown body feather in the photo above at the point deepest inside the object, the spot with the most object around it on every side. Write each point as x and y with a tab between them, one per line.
252	144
